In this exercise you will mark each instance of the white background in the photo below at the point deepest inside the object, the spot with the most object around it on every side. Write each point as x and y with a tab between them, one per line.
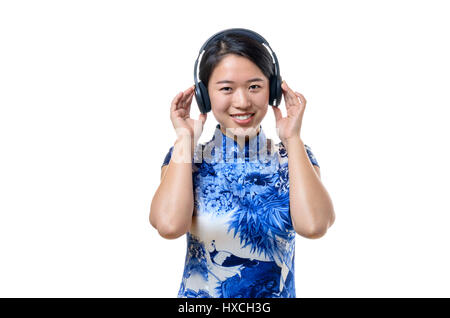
85	92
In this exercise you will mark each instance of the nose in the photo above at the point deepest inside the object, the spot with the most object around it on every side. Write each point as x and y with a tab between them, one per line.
240	99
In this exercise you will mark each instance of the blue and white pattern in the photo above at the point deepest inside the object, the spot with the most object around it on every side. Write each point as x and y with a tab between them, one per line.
242	242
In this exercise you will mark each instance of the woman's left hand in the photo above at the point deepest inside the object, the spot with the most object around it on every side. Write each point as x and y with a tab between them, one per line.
290	125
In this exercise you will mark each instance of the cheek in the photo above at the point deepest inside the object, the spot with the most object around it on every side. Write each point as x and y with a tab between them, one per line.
262	100
263	111
218	111
265	97
218	105
221	103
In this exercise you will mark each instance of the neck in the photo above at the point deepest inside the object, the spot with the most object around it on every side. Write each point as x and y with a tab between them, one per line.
243	137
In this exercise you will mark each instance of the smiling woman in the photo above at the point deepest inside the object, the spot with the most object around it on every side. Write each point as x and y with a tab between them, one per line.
231	197
237	69
238	101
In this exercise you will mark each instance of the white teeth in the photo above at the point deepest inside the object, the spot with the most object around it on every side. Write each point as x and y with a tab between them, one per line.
243	117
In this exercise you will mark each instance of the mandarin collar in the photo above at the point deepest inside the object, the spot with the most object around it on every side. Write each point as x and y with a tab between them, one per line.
253	147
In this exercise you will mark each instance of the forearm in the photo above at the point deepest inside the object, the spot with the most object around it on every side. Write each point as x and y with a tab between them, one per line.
311	207
173	203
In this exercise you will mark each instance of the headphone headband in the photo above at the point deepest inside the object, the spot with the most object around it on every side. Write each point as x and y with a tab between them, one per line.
246	32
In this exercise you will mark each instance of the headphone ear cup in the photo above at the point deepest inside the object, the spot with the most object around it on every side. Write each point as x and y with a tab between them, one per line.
275	90
279	90
202	98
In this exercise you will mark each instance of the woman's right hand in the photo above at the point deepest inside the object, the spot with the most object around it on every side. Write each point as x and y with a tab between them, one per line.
180	115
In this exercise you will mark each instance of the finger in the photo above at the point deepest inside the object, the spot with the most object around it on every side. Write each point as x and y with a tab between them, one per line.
191	96
189	90
175	102
182	100
289	96
288	99
178	100
186	104
302	98
187	94
179	113
202	117
277	113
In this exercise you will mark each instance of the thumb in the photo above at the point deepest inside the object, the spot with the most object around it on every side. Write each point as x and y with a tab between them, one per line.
277	113
202	117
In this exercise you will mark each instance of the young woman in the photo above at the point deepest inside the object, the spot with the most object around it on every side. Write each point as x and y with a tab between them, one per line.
239	198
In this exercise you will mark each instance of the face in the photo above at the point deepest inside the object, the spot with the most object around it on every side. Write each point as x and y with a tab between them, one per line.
238	87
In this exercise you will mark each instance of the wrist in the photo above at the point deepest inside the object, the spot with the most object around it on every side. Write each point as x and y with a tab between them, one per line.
288	142
183	137
183	149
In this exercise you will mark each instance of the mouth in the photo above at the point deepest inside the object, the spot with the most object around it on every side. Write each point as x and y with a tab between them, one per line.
244	118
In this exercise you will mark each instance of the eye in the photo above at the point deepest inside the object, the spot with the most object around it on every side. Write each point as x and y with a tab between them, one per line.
224	88
255	85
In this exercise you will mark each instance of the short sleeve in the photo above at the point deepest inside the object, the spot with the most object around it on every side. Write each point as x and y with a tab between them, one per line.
311	156
167	158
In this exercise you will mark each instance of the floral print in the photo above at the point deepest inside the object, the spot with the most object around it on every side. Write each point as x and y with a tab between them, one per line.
242	241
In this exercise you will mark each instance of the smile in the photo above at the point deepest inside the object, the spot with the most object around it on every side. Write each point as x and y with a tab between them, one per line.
243	118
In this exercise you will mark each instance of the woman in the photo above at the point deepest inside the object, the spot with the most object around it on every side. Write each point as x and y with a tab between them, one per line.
239	198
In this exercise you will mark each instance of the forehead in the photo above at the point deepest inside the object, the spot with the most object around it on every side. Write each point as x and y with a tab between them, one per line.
235	68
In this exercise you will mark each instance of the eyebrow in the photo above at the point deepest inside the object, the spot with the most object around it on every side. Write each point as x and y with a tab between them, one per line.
256	79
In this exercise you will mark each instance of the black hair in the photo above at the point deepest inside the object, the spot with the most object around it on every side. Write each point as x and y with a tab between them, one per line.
235	43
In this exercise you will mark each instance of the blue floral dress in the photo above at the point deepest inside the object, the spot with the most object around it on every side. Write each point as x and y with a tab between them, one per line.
242	242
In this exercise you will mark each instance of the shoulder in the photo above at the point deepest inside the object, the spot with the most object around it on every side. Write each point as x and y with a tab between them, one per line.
167	157
281	151
311	156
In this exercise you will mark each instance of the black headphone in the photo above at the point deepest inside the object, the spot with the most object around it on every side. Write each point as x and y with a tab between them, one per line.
201	91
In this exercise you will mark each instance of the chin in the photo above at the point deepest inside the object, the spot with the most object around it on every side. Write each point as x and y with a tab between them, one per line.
246	129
